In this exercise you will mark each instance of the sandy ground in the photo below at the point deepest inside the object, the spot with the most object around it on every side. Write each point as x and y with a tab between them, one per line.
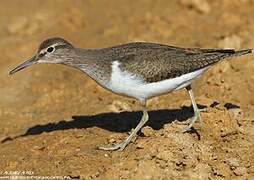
53	117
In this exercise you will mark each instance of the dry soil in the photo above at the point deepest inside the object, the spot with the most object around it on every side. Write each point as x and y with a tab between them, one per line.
53	118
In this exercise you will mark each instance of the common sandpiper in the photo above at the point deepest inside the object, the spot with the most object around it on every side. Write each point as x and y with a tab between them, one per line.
138	70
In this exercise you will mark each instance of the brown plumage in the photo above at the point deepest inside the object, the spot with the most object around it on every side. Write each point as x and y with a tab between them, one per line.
156	62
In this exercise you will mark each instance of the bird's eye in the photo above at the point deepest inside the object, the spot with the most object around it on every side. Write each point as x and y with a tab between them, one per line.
50	49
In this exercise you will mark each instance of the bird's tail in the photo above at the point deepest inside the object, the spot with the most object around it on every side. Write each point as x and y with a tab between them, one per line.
212	56
241	52
215	55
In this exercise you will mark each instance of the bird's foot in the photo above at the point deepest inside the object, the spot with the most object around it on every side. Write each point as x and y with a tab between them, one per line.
132	135
182	122
191	122
121	146
190	125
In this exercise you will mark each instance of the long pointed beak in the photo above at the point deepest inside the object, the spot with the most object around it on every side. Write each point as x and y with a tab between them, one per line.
24	65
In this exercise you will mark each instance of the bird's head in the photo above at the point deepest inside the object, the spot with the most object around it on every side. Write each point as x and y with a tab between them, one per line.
53	51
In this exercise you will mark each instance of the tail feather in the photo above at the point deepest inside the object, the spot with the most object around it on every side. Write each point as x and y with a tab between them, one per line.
213	56
243	52
228	52
216	55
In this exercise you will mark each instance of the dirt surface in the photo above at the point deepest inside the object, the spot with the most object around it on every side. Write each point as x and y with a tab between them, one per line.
53	117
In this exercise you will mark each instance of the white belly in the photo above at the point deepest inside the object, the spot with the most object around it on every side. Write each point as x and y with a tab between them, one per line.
131	85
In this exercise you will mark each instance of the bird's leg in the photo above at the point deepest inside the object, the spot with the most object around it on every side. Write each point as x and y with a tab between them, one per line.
195	108
123	144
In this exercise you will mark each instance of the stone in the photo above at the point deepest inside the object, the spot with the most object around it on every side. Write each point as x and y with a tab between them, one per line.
240	171
236	113
230	42
119	106
201	6
147	131
233	163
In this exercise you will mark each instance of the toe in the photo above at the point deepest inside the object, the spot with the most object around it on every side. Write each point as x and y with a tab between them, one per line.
110	148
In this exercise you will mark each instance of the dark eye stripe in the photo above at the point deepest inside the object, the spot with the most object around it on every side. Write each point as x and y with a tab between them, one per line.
42	54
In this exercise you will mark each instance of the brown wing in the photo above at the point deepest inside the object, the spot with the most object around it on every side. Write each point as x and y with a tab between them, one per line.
165	62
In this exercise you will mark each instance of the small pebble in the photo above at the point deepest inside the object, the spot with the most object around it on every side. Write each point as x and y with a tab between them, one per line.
147	131
119	106
201	6
231	42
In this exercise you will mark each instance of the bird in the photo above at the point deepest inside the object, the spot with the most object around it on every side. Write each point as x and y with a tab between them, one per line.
139	70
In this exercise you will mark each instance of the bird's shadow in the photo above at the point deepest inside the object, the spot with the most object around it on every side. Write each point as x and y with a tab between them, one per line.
115	122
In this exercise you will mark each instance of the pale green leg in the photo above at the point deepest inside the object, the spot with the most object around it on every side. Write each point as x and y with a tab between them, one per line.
196	111
123	144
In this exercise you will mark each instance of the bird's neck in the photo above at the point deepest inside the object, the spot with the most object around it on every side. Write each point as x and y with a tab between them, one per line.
92	63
